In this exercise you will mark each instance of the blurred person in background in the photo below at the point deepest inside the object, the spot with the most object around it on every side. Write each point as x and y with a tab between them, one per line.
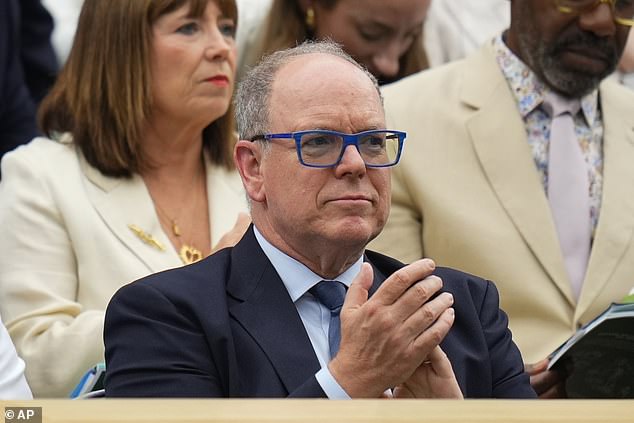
386	37
36	51
27	69
136	176
65	14
456	28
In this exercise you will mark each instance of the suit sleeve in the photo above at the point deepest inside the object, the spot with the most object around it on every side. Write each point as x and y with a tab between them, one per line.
508	377
309	389
54	334
155	348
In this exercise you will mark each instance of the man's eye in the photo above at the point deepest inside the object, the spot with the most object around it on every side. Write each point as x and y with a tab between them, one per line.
373	142
318	141
188	29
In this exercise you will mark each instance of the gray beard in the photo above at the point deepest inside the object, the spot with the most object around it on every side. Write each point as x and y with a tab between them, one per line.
544	61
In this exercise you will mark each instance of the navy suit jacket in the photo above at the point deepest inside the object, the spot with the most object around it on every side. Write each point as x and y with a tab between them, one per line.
17	110
226	327
36	50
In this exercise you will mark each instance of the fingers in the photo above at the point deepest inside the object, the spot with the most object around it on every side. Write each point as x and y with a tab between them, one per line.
436	332
535	368
439	362
556	391
434	378
385	338
358	292
418	294
425	315
401	280
548	382
413	316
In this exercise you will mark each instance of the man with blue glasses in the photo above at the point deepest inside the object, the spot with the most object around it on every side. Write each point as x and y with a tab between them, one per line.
319	148
298	307
522	171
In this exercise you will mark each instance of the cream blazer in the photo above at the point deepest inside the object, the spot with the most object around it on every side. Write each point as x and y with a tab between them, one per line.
467	194
66	248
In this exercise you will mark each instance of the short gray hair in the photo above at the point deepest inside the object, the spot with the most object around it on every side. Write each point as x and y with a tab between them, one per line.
254	92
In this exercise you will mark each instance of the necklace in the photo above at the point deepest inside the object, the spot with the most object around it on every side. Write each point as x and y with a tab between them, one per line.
188	253
173	221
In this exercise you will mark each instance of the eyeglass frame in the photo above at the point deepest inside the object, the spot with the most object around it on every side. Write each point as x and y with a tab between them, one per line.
570	11
348	140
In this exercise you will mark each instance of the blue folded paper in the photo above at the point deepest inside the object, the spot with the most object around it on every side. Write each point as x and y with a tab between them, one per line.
91	383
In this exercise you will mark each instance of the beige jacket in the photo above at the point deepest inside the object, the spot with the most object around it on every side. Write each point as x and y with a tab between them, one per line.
467	194
66	248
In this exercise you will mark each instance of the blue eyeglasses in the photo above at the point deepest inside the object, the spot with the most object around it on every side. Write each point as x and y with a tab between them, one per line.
321	148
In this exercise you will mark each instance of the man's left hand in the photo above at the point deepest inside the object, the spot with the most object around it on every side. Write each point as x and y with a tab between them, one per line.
432	379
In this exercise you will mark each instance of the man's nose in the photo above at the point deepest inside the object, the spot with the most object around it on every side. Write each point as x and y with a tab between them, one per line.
351	162
599	20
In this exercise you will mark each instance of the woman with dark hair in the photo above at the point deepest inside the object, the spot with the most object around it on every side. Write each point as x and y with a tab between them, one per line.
136	175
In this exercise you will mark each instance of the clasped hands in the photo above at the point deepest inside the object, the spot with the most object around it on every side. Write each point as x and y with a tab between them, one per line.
391	340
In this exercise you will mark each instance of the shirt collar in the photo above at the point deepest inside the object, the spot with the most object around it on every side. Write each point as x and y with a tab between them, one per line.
298	278
528	89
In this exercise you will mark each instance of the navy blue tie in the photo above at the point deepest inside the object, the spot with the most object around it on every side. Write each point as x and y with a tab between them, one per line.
331	294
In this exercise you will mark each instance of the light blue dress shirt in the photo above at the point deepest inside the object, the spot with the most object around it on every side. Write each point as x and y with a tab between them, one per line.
298	279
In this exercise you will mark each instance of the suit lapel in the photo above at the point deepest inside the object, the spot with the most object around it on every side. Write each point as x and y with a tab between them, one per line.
266	312
124	202
616	220
499	140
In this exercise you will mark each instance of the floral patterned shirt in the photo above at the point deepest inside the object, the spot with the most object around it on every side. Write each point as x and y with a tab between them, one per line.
529	94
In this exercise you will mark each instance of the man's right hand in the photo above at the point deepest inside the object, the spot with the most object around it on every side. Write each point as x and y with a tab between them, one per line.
384	339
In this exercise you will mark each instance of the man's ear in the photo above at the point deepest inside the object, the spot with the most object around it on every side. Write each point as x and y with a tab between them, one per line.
247	156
